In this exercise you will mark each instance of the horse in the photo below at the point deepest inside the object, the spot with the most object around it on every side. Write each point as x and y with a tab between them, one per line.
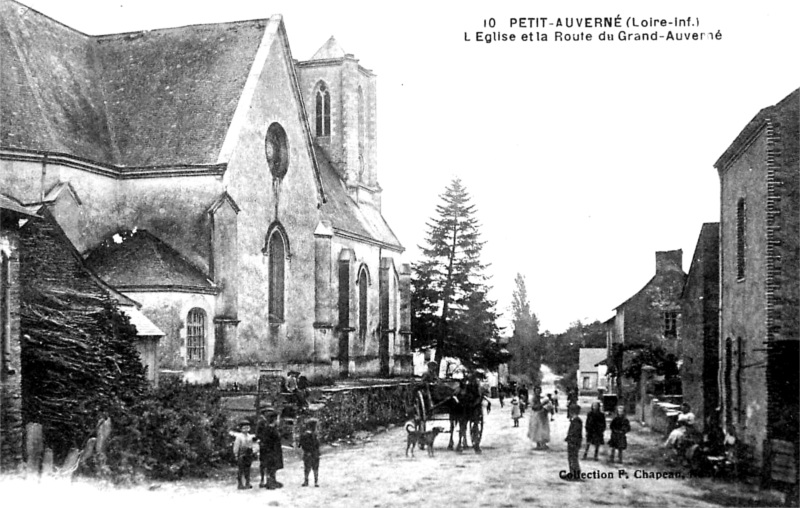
466	408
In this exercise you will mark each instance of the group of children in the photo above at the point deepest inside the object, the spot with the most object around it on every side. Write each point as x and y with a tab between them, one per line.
270	453
595	428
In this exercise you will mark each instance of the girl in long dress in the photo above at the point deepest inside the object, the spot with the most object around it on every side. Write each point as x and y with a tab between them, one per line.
539	424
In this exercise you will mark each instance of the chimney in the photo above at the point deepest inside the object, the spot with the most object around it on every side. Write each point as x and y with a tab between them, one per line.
669	260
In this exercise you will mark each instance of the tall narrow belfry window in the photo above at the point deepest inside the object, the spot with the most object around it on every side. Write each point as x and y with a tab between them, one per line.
323	111
5	315
196	335
741	225
362	303
277	259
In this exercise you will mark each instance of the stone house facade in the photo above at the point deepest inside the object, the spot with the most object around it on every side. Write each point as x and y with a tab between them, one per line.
759	290
649	318
227	187
700	327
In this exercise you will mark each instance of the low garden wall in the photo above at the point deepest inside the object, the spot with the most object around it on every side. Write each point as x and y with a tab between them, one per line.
340	410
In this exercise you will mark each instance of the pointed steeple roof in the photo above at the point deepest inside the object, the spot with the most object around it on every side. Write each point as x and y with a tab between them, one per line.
329	50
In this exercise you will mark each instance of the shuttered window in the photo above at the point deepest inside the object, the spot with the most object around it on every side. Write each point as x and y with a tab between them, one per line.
741	224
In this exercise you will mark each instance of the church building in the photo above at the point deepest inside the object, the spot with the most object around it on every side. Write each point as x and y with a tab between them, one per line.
229	189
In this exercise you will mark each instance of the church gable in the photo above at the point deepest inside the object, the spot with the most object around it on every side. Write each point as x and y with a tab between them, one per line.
268	148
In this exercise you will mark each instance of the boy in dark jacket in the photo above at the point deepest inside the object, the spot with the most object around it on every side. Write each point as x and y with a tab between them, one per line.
270	453
574	440
309	443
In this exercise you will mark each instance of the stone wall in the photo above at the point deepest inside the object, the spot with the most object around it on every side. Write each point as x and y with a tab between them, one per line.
350	409
341	410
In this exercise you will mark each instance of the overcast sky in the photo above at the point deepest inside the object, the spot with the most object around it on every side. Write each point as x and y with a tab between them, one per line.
583	158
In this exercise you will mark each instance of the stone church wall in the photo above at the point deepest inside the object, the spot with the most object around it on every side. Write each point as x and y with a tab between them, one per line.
264	200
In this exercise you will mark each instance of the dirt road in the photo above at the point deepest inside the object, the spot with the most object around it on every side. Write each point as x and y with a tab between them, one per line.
375	472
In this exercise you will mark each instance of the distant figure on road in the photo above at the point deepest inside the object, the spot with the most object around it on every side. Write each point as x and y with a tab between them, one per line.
523	398
620	426
574	440
595	427
552	406
555	402
539	426
515	414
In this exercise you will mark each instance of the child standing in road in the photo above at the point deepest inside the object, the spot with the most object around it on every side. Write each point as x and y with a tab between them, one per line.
595	427
309	443
620	426
515	412
574	440
243	451
552	406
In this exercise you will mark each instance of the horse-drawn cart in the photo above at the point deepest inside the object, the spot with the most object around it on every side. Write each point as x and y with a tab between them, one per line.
272	396
456	401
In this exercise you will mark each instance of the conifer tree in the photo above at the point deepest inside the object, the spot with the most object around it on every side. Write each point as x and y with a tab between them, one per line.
450	308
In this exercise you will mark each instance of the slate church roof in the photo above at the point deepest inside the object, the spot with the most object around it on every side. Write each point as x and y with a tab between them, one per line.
131	260
147	98
345	214
151	98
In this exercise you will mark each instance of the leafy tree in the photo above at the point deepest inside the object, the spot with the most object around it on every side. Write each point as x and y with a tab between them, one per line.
525	345
450	307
